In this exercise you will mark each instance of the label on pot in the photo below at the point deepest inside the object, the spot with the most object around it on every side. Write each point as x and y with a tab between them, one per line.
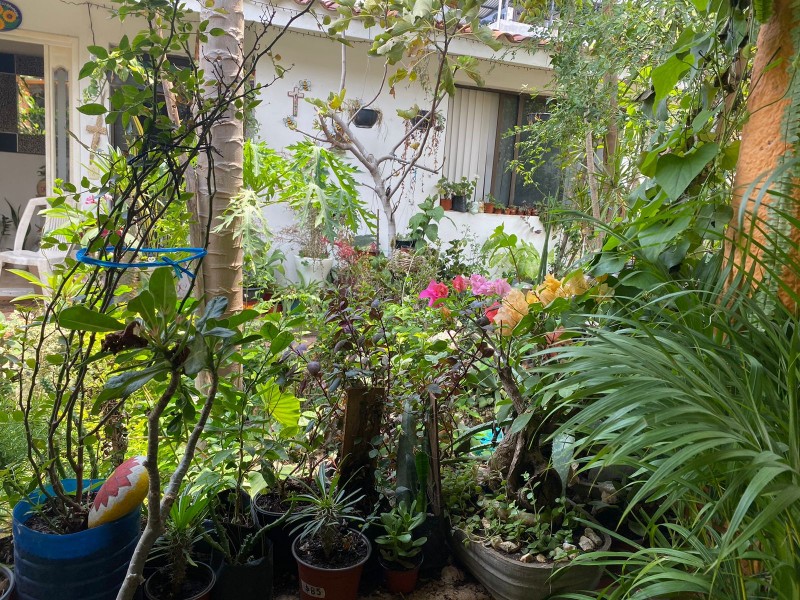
312	590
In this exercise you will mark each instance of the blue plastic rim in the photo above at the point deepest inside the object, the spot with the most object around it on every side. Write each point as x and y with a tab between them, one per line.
162	259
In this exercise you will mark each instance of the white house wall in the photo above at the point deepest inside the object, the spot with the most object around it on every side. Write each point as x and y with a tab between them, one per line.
313	58
318	60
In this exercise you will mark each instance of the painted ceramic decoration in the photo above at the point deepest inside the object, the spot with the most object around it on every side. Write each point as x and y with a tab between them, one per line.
123	491
10	16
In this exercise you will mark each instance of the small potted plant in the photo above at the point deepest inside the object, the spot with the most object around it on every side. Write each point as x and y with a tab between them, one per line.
330	556
400	552
181	577
462	192
445	190
362	116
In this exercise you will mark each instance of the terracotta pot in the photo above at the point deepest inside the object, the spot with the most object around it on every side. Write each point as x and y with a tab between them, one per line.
488	208
331	584
510	579
399	580
202	570
446	203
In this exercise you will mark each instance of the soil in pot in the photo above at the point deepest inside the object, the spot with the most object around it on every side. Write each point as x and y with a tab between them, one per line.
6	550
48	519
334	578
198	585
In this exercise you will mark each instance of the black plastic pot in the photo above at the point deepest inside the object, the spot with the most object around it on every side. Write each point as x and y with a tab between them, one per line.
280	536
366	118
200	571
460	203
435	549
250	581
407	244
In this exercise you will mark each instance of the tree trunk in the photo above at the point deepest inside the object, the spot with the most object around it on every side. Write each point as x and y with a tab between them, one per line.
767	143
220	169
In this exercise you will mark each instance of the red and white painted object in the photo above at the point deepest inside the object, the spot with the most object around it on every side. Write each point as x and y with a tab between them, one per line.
122	492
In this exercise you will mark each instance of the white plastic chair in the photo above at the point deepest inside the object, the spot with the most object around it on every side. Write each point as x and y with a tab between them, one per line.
43	260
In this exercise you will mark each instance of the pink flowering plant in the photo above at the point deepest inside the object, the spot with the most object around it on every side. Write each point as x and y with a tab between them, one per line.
514	328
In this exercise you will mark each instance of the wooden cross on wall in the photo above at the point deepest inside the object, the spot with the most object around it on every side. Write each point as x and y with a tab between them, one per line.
295	95
97	130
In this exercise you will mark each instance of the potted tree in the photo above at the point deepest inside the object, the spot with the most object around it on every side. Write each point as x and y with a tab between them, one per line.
400	551
330	556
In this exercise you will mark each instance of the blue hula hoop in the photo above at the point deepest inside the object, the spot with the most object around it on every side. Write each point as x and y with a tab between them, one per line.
161	261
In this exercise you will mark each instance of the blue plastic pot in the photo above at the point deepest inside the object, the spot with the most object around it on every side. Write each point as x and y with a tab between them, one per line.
88	565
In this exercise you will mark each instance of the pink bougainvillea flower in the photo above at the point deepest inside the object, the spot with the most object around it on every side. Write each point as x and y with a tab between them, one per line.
460	283
90	199
501	286
434	292
483	287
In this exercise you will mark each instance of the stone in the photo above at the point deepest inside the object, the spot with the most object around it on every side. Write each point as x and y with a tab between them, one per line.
122	492
608	492
569	547
541	558
586	544
486	523
508	547
592	535
451	575
527	558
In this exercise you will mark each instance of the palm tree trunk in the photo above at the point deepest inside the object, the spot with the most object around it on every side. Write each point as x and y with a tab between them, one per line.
768	141
220	168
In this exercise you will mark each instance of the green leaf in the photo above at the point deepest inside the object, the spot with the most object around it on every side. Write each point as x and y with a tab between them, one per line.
144	305
520	423
81	318
92	109
674	173
422	8
98	51
124	384
162	287
667	75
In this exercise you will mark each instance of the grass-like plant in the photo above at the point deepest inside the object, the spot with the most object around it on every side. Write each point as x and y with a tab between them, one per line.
695	385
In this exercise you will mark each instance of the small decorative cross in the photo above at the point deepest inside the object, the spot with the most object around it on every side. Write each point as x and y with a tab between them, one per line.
295	95
97	130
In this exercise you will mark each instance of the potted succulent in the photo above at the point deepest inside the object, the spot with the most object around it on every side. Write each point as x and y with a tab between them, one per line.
330	556
400	551
181	577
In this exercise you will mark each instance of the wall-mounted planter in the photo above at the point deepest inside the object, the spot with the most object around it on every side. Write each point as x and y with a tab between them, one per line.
366	118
